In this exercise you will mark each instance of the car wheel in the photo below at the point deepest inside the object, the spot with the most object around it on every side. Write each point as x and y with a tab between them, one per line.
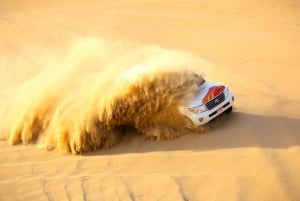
188	124
229	110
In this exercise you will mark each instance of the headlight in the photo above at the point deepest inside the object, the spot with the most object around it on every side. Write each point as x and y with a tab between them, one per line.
198	109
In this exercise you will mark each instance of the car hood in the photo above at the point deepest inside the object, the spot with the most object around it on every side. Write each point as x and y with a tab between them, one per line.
205	92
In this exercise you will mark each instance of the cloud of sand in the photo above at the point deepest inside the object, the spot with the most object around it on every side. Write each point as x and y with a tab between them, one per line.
80	101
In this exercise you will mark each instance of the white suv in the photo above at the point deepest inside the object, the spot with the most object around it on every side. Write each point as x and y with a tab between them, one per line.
210	100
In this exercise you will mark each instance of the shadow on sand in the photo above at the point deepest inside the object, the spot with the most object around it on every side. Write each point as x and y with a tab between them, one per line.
236	130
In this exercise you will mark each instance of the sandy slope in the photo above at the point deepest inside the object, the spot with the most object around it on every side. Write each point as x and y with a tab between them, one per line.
252	154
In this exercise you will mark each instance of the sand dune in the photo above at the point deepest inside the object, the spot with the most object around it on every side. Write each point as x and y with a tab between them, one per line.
251	154
234	158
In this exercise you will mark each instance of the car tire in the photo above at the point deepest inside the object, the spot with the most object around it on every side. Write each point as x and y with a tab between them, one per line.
188	124
229	110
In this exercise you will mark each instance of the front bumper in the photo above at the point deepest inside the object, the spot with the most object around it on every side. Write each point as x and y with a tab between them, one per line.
208	115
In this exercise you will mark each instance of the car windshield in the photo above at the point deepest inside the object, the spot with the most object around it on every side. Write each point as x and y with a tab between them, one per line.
199	79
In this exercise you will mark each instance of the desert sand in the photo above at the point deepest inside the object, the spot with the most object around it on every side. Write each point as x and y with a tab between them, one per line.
252	154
